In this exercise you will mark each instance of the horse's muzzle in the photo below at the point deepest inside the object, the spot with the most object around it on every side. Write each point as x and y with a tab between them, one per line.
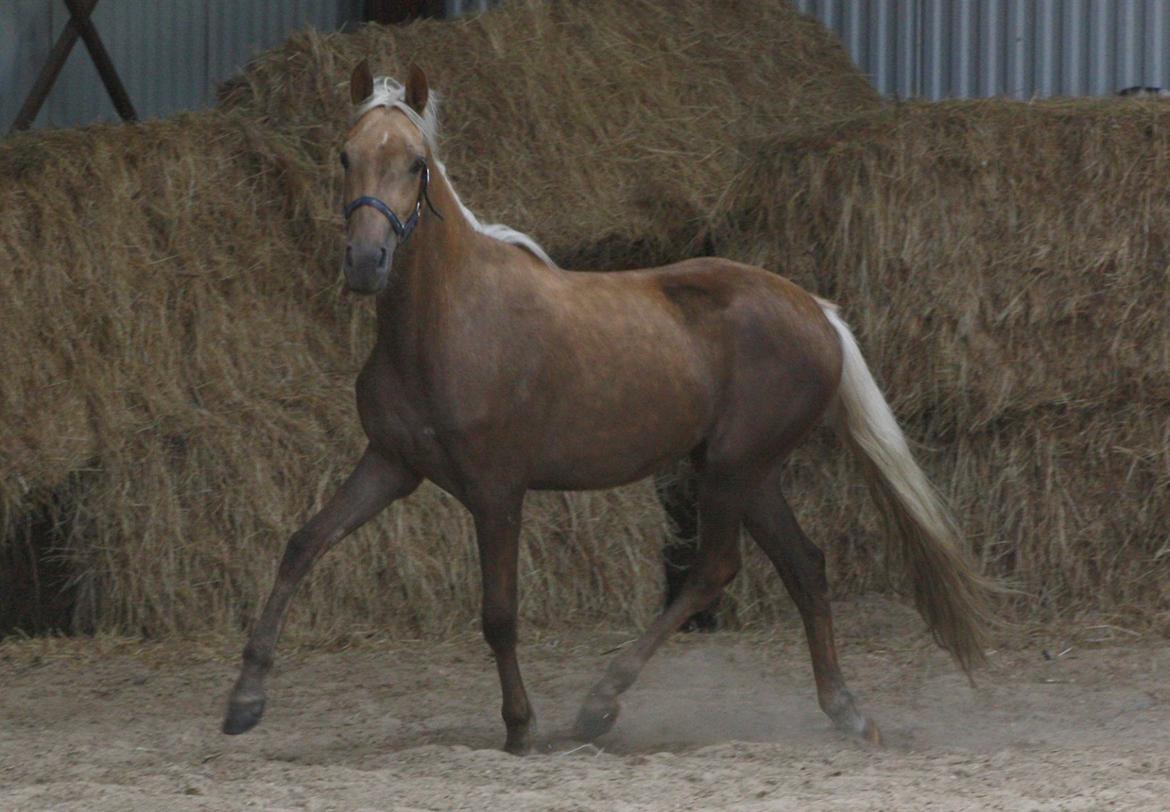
367	267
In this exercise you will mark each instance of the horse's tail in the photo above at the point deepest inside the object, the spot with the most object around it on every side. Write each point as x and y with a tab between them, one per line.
949	592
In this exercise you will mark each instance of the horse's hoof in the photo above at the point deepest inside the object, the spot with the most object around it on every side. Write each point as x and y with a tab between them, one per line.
595	718
518	746
242	716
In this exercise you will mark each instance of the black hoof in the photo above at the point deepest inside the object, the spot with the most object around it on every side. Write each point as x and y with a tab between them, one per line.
595	719
518	747
242	716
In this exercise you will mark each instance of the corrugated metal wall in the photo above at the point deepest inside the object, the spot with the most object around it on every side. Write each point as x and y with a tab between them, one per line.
1021	48
457	8
169	54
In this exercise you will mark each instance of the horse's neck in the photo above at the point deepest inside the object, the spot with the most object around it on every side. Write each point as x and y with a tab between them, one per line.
432	274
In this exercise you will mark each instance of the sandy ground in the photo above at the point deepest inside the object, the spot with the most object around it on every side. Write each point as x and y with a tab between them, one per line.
718	721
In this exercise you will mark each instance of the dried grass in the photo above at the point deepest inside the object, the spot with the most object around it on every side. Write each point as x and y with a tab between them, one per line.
1007	267
177	381
608	129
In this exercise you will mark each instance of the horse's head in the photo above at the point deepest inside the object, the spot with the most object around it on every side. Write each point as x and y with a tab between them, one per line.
386	174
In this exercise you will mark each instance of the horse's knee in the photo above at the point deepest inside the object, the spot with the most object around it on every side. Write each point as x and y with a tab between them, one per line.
499	626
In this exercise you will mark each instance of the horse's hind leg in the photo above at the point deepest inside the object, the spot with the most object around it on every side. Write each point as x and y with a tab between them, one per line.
677	490
720	511
801	566
374	484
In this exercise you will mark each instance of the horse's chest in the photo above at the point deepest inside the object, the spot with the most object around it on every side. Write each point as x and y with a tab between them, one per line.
390	417
399	420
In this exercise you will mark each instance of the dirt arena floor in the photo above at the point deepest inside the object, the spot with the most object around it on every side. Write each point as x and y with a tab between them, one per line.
1069	719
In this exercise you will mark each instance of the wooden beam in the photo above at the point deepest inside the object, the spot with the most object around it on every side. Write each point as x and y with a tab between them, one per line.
48	76
79	25
79	11
401	11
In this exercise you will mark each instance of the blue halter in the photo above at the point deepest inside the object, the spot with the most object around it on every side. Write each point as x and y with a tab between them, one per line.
401	229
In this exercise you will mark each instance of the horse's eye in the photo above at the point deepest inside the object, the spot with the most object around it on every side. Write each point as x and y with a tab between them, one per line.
417	166
344	160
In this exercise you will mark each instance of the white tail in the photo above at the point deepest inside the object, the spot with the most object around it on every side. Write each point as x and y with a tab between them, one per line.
949	592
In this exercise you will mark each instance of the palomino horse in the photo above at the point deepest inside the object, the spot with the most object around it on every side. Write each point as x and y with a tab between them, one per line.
495	372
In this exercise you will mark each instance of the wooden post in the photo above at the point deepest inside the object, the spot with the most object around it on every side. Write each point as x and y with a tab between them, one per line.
79	11
401	11
79	25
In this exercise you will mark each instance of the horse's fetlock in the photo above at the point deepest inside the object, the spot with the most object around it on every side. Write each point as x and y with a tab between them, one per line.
618	677
519	718
837	703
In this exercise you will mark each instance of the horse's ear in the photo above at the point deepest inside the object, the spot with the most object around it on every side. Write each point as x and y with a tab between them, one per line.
361	83
416	89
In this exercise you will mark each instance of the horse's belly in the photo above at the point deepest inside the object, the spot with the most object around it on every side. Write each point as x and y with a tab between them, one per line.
599	447
596	474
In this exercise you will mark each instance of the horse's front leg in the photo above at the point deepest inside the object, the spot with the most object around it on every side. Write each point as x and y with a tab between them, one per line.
375	483
498	535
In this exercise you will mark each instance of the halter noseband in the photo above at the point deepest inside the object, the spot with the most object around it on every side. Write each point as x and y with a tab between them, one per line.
401	229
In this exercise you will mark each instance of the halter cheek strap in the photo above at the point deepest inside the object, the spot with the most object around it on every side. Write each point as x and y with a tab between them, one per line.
401	230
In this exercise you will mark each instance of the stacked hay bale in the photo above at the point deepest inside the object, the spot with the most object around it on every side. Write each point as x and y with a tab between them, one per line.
182	396
177	384
1007	269
165	366
608	130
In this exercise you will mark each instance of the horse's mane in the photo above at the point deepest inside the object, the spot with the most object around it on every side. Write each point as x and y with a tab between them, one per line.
389	93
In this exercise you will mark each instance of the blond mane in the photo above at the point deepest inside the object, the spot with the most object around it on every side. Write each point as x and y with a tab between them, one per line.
392	95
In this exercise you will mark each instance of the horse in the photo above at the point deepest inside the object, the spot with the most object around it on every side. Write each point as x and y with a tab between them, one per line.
495	372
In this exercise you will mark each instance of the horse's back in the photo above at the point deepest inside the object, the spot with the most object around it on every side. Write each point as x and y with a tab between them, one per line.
762	307
709	306
729	345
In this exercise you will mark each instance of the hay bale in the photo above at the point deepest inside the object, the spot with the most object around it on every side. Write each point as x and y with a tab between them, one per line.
608	130
183	394
1007	267
155	280
184	397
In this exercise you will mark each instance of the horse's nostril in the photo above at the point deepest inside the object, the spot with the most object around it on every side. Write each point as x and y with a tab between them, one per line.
349	255
382	258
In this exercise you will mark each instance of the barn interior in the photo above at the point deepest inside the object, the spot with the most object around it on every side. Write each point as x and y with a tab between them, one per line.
177	384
